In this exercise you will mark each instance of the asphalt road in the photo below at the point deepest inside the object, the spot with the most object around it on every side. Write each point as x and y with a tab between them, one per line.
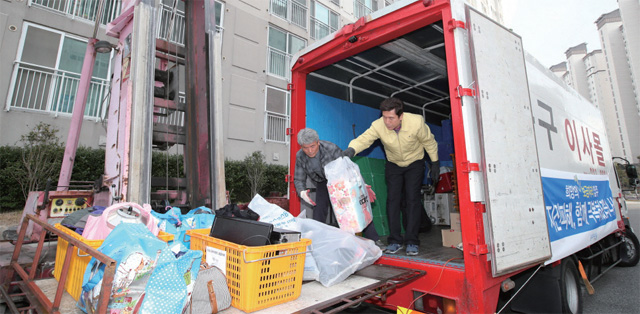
618	291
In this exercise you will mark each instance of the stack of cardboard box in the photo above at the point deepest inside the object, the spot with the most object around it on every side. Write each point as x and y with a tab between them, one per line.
452	237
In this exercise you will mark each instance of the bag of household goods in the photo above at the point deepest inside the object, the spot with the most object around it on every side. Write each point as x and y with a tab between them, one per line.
141	258
99	226
348	195
176	223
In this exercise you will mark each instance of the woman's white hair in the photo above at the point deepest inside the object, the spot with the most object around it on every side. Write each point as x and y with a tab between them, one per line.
307	136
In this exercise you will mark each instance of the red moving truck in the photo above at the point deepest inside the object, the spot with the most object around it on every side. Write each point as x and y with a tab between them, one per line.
535	185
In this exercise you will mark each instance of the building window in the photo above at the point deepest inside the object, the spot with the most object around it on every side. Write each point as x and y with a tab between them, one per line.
282	45
46	74
364	7
277	106
294	11
323	20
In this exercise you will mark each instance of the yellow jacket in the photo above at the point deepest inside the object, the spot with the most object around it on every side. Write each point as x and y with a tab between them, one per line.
404	147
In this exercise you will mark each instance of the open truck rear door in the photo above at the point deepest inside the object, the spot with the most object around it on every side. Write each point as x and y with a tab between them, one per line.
515	220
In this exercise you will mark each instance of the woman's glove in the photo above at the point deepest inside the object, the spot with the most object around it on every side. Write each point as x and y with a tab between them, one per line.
305	196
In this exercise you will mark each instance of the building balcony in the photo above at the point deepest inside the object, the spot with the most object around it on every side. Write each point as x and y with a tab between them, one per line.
38	88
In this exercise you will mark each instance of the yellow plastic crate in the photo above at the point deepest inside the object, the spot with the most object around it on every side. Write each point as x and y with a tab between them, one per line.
80	259
258	276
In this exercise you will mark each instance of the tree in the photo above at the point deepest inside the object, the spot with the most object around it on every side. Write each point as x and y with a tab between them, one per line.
256	171
41	157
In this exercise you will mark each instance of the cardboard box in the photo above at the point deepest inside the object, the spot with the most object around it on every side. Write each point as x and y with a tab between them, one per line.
455	221
451	237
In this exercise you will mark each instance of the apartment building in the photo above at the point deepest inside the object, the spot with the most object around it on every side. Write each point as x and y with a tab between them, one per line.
601	95
615	44
609	77
576	69
42	44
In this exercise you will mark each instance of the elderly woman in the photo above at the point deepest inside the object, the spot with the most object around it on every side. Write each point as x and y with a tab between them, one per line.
310	162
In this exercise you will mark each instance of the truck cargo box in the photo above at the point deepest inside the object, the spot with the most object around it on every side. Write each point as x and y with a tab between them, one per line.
534	179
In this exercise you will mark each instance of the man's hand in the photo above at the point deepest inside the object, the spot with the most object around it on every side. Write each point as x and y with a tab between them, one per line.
372	194
305	196
349	152
435	172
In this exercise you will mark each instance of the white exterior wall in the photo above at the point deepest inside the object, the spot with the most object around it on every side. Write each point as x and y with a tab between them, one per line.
630	13
559	69
491	8
577	70
602	98
244	70
613	45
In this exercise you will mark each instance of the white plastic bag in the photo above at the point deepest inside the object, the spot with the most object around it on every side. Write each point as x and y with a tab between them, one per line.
273	214
337	253
348	194
311	271
281	218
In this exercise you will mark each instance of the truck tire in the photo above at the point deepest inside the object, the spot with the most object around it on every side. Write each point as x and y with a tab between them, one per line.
630	251
571	287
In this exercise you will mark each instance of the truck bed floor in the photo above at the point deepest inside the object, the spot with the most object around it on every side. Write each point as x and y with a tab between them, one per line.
431	249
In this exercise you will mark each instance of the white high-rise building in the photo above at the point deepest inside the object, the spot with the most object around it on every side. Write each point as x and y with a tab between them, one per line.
577	69
625	102
492	8
602	97
630	14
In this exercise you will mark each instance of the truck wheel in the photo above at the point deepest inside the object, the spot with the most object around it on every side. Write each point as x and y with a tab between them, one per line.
630	252
570	287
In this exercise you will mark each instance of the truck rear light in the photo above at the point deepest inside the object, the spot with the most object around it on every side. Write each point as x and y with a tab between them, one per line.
507	285
449	306
433	304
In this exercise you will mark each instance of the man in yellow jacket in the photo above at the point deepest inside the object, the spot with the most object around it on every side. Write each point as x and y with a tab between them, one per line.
405	137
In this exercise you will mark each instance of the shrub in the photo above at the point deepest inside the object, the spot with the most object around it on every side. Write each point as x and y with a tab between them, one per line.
11	196
89	166
41	158
255	167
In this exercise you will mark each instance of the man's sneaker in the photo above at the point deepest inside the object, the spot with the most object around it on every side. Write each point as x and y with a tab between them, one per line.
412	249
393	248
380	244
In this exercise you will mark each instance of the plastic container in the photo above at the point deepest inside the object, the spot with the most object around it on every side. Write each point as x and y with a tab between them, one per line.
80	259
257	276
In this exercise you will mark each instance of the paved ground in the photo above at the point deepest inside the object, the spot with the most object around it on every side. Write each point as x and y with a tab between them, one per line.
618	291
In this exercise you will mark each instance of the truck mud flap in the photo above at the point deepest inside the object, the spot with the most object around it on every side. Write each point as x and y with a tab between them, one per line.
386	278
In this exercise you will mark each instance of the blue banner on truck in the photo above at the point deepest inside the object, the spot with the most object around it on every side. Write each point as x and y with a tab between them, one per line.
580	209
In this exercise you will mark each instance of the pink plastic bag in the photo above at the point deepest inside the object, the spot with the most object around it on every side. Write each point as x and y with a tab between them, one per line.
98	227
348	194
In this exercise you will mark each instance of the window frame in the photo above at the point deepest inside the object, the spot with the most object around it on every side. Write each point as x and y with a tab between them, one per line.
49	102
267	113
287	54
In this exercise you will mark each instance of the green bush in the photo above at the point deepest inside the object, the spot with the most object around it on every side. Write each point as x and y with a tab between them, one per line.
244	177
236	181
275	182
11	196
163	165
89	166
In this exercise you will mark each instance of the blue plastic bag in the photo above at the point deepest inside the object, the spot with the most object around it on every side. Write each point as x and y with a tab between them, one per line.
137	252
174	222
171	285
